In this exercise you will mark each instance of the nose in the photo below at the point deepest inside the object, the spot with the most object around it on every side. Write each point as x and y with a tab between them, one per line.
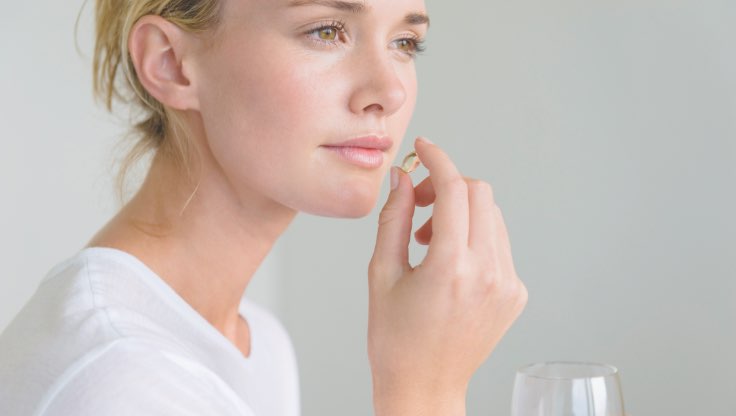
377	87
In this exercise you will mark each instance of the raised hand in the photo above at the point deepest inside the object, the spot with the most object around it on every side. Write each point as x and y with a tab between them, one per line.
432	326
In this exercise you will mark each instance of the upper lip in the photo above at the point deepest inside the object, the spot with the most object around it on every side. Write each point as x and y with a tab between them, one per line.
368	142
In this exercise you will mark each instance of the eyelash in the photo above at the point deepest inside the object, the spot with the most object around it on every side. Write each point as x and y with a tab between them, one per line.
418	45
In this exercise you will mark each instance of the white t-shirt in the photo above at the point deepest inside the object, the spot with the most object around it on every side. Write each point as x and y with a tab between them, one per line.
104	335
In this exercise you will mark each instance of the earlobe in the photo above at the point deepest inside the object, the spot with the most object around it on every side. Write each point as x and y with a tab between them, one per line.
157	49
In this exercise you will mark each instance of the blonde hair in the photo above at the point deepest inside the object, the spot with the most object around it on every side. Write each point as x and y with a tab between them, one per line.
158	129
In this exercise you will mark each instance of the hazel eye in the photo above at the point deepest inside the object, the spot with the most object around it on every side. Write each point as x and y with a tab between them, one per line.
410	46
327	33
407	45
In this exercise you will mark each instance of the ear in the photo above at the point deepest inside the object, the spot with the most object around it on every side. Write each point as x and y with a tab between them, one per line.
158	50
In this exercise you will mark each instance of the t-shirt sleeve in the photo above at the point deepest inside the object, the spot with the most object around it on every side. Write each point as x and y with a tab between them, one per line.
128	380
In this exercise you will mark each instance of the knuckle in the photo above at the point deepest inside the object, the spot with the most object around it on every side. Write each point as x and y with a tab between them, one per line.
456	274
373	267
523	295
386	216
377	267
490	282
520	294
490	285
456	268
456	186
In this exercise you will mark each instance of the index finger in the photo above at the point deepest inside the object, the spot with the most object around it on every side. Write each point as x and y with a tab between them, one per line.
450	217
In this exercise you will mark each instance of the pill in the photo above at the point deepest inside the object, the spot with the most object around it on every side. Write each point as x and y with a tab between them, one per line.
411	162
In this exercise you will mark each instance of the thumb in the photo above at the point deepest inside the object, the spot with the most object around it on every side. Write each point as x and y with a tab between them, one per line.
391	255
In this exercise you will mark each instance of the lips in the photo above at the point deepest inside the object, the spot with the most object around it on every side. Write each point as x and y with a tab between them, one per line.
368	142
366	152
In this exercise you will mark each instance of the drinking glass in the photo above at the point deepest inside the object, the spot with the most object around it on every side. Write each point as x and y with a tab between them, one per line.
567	389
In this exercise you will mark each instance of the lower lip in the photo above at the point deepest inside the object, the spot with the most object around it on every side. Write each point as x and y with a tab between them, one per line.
360	156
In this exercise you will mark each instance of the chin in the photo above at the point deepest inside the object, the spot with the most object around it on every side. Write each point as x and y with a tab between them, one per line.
347	203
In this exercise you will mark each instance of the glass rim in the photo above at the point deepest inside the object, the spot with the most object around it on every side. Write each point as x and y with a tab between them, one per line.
611	370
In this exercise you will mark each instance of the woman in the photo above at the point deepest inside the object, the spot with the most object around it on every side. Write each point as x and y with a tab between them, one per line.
255	110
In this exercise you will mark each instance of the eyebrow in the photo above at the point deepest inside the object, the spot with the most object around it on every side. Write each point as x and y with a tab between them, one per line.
347	6
417	19
358	7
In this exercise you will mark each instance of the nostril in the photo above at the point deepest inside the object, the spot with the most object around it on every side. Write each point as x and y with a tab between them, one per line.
376	107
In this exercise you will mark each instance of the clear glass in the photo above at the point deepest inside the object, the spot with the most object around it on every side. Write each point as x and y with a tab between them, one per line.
567	389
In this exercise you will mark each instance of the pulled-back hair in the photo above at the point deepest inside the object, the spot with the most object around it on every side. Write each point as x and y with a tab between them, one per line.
156	128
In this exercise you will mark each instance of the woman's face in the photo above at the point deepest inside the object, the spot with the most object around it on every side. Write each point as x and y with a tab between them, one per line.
285	80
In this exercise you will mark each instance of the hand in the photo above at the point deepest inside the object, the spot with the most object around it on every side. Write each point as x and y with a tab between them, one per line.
431	326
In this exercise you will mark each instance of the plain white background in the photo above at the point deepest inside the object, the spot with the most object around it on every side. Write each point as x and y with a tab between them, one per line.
607	130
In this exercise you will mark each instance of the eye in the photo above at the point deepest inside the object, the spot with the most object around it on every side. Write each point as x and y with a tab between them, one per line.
406	45
327	33
411	46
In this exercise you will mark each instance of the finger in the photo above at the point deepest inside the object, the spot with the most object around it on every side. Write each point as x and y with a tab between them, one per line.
450	213
391	255
483	217
424	234
424	193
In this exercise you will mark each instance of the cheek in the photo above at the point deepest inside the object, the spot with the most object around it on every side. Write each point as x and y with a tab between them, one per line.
265	98
265	115
265	123
399	122
260	107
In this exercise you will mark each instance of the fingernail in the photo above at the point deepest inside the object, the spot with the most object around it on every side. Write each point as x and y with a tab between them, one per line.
394	177
424	140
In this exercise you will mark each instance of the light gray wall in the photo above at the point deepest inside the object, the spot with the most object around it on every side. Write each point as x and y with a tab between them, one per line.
59	150
606	128
55	147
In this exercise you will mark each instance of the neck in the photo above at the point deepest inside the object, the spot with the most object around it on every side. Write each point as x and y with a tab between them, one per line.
200	238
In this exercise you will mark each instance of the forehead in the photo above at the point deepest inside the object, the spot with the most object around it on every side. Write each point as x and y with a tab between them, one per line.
413	10
263	12
354	5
